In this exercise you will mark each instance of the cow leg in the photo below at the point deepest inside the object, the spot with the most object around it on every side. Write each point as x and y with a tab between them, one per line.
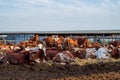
46	58
44	54
3	60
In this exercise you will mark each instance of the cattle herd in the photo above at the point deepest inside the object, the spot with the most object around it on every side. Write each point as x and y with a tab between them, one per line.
59	49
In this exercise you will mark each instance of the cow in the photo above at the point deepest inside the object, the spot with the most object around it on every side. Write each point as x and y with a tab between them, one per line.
70	43
56	55
64	57
115	53
14	58
48	41
115	43
69	56
23	56
82	42
102	52
43	55
54	41
90	53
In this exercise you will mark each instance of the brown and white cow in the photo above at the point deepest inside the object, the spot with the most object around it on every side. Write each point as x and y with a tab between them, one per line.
14	58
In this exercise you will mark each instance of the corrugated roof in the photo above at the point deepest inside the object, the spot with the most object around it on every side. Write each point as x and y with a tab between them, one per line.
63	32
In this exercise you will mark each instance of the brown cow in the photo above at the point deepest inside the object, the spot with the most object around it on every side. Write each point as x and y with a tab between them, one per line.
69	56
49	41
59	42
37	56
15	58
115	53
82	42
64	57
115	43
54	41
43	54
35	38
115	46
69	42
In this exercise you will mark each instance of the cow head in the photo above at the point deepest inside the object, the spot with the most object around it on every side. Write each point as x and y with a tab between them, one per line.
40	46
34	57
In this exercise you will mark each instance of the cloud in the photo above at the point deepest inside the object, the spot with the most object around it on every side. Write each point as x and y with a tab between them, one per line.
44	14
61	8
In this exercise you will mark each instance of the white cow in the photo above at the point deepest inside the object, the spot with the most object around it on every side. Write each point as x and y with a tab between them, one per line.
102	53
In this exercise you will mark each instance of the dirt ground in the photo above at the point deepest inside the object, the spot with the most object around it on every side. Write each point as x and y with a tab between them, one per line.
81	70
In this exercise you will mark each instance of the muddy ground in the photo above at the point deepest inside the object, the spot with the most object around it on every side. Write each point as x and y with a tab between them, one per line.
80	70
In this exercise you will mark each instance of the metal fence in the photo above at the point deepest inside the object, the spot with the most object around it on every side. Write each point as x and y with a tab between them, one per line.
18	38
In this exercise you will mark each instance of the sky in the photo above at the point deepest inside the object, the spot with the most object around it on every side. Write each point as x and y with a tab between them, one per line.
59	15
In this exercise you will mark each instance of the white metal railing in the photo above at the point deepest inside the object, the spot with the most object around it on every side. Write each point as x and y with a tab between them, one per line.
10	41
6	41
106	39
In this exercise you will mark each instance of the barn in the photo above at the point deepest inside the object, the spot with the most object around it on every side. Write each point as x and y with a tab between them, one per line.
102	36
